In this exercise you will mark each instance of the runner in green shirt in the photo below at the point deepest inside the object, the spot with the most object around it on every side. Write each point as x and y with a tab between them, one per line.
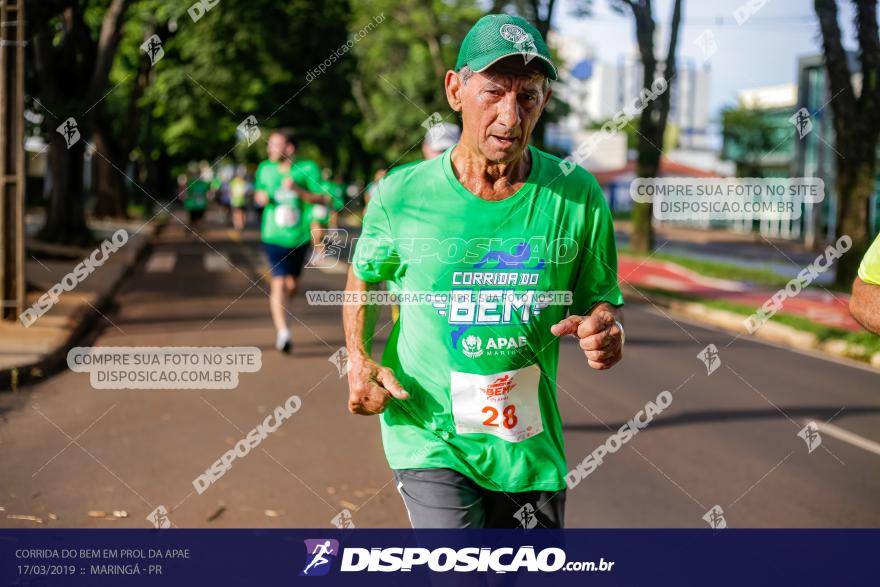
466	385
196	201
865	302
284	186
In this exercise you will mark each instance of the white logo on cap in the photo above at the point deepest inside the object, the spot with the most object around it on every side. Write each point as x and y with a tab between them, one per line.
513	33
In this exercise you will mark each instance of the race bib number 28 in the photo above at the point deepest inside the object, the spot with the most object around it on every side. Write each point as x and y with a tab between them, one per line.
503	404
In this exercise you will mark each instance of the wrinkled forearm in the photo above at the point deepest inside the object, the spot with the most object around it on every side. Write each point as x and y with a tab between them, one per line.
865	305
359	320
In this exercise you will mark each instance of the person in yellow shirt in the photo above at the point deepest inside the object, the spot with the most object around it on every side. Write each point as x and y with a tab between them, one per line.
865	302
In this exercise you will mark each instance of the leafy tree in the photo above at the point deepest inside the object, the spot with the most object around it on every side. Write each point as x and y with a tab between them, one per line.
751	134
401	65
652	122
856	126
72	50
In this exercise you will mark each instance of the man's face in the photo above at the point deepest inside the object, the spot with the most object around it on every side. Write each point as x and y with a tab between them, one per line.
500	107
276	146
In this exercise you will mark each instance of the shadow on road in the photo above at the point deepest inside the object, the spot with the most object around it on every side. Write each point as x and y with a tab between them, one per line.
822	413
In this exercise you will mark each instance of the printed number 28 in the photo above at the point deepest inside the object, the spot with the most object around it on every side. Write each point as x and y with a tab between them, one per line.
509	412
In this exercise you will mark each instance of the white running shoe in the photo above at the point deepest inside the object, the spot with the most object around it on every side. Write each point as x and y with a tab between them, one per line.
283	342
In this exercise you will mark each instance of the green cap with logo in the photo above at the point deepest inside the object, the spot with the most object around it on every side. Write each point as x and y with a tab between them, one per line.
496	36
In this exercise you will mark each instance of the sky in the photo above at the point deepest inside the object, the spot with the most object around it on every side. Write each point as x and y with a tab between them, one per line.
763	51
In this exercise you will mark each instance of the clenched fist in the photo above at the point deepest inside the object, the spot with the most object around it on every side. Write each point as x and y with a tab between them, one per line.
599	336
371	387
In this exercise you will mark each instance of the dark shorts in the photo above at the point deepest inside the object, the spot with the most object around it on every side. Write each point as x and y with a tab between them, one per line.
196	215
284	261
443	498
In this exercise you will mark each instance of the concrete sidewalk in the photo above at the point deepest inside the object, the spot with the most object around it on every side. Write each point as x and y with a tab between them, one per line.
28	354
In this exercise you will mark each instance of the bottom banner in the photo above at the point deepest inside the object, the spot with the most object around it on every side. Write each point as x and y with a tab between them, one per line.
437	557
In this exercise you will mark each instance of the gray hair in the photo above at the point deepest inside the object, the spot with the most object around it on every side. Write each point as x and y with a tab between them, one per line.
466	73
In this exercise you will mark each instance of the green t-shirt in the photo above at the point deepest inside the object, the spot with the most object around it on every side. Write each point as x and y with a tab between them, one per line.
197	195
869	270
286	216
392	285
480	365
321	213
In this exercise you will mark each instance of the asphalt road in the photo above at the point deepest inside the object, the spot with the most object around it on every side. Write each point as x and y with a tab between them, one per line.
728	439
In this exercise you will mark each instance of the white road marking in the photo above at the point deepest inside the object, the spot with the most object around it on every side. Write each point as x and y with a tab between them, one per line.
161	262
215	262
848	437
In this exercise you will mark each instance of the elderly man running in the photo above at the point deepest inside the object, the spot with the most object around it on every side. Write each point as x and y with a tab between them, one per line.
467	384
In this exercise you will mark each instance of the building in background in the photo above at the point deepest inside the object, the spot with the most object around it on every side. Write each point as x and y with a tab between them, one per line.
596	91
759	136
762	139
815	154
757	133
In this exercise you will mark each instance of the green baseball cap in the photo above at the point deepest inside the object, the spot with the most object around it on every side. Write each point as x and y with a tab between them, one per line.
496	36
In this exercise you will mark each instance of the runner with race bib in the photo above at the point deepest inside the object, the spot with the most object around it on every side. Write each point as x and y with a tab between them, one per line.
466	385
284	186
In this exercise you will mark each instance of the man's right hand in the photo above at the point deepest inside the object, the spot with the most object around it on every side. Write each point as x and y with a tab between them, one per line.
261	198
371	386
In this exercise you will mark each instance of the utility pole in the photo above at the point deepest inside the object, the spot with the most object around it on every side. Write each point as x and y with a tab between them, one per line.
12	173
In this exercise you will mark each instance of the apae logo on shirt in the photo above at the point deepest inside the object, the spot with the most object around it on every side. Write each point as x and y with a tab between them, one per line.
472	345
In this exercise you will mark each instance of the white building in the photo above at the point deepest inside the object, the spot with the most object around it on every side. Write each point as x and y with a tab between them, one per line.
596	91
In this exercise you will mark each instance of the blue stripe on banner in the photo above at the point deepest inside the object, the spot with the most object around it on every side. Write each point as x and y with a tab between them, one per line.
405	557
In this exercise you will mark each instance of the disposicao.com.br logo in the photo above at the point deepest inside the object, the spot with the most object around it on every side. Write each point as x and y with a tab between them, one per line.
322	552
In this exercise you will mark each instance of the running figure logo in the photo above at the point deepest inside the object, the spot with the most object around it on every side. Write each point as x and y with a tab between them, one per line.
715	518
249	130
159	517
526	516
707	45
343	520
499	389
710	358
70	131
340	359
153	48
802	122
810	435
319	554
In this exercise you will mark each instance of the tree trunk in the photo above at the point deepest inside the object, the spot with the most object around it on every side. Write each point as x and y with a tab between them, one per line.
65	217
647	165
855	185
856	127
73	73
109	184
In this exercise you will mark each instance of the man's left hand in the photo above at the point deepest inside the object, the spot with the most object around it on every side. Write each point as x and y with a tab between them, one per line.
599	336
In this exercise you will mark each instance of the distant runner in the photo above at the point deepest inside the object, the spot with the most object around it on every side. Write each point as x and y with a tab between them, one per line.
324	217
440	137
238	199
195	200
282	185
466	386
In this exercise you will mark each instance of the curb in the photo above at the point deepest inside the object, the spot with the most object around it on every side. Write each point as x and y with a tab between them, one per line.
770	331
13	377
